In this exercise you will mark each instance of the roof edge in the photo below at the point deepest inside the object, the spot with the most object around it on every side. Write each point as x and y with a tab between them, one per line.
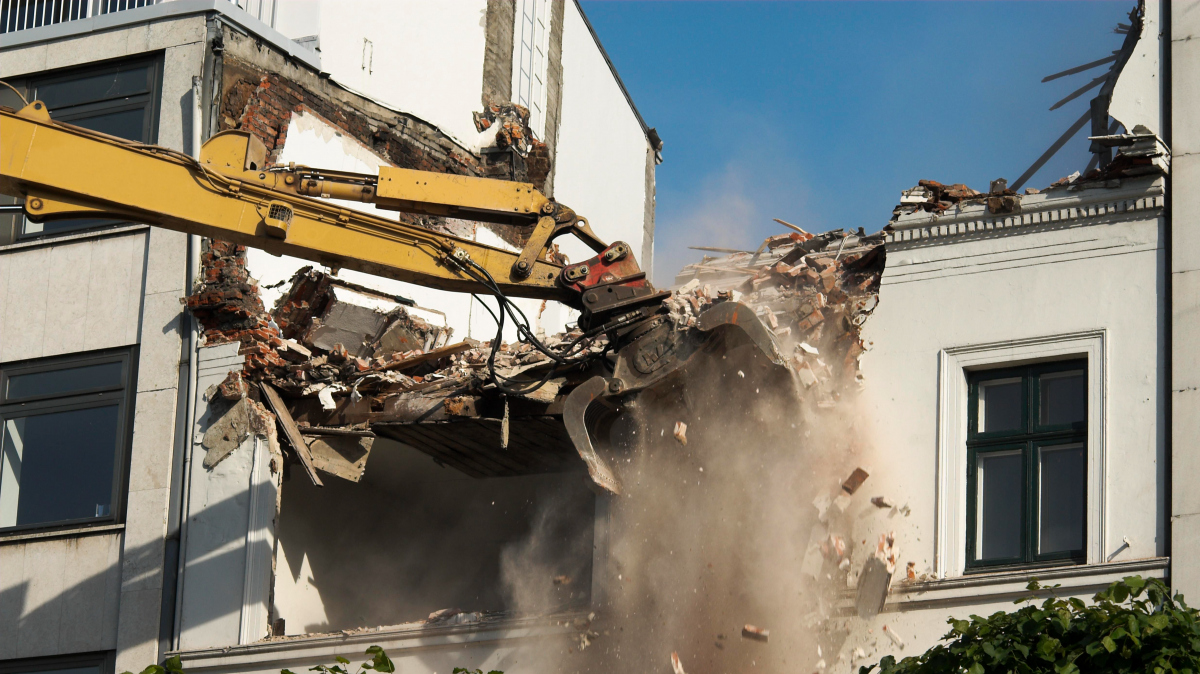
179	8
613	69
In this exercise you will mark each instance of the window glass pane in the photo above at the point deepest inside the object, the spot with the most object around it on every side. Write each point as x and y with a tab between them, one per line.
1063	398
1062	475
67	380
94	87
998	533
58	466
82	669
127	124
1000	405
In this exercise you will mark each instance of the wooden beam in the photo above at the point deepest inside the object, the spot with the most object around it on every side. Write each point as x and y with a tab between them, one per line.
436	354
291	431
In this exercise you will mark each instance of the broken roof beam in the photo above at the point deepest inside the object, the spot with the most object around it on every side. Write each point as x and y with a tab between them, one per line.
291	431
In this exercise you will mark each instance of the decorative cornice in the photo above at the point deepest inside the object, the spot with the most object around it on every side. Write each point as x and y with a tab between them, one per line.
1059	207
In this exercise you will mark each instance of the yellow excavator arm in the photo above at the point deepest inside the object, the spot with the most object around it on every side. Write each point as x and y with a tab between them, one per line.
63	171
230	193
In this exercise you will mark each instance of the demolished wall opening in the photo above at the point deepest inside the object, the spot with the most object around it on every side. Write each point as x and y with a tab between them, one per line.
416	541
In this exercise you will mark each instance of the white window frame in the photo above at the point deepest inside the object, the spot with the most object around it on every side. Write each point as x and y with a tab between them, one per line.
953	364
531	47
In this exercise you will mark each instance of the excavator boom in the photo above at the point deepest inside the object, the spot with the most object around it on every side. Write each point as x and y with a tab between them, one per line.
232	193
65	172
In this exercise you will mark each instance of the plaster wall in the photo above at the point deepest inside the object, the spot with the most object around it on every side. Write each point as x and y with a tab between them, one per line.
230	539
374	46
314	142
95	290
1185	294
1099	274
1137	96
601	160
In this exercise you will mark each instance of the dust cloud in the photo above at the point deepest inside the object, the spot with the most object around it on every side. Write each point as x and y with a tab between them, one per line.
712	535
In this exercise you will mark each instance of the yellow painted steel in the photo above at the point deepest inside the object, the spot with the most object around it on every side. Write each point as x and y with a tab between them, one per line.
64	171
447	194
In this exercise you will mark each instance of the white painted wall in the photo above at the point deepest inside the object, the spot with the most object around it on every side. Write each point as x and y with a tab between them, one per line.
1103	272
601	160
425	58
1185	279
314	142
1137	96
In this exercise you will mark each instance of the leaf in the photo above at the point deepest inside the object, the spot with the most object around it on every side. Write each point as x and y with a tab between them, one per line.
1109	644
174	664
342	660
1120	593
975	669
380	662
154	669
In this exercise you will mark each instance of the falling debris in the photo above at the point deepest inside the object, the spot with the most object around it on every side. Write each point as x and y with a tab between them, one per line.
755	633
676	665
880	502
680	432
856	479
911	571
876	577
562	580
894	637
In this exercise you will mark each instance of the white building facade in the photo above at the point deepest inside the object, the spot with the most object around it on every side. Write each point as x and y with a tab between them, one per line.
1030	378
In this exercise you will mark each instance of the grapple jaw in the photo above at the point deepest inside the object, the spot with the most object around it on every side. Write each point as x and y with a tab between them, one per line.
656	364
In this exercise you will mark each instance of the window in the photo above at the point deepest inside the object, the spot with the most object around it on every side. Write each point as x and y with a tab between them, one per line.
1027	465
86	663
120	99
63	436
529	67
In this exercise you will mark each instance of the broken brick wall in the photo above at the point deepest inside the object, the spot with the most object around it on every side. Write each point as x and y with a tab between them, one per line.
227	305
260	101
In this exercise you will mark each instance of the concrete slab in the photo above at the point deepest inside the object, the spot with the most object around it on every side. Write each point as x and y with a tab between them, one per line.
90	572
24	305
166	262
137	643
145	531
41	621
153	440
115	291
13	591
160	342
71	265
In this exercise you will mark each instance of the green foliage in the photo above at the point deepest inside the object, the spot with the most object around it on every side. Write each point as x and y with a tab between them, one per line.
1135	625
171	666
379	662
464	670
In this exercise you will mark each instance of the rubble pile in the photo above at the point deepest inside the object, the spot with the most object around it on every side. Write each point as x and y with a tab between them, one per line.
1139	153
933	197
510	124
229	309
813	293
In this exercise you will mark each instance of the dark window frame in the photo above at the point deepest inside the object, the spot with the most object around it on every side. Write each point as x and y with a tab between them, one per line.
125	396
105	660
151	101
1029	439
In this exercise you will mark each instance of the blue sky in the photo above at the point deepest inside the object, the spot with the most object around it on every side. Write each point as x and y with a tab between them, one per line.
819	113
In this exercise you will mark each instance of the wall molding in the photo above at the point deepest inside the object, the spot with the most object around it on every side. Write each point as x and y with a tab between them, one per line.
1141	198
